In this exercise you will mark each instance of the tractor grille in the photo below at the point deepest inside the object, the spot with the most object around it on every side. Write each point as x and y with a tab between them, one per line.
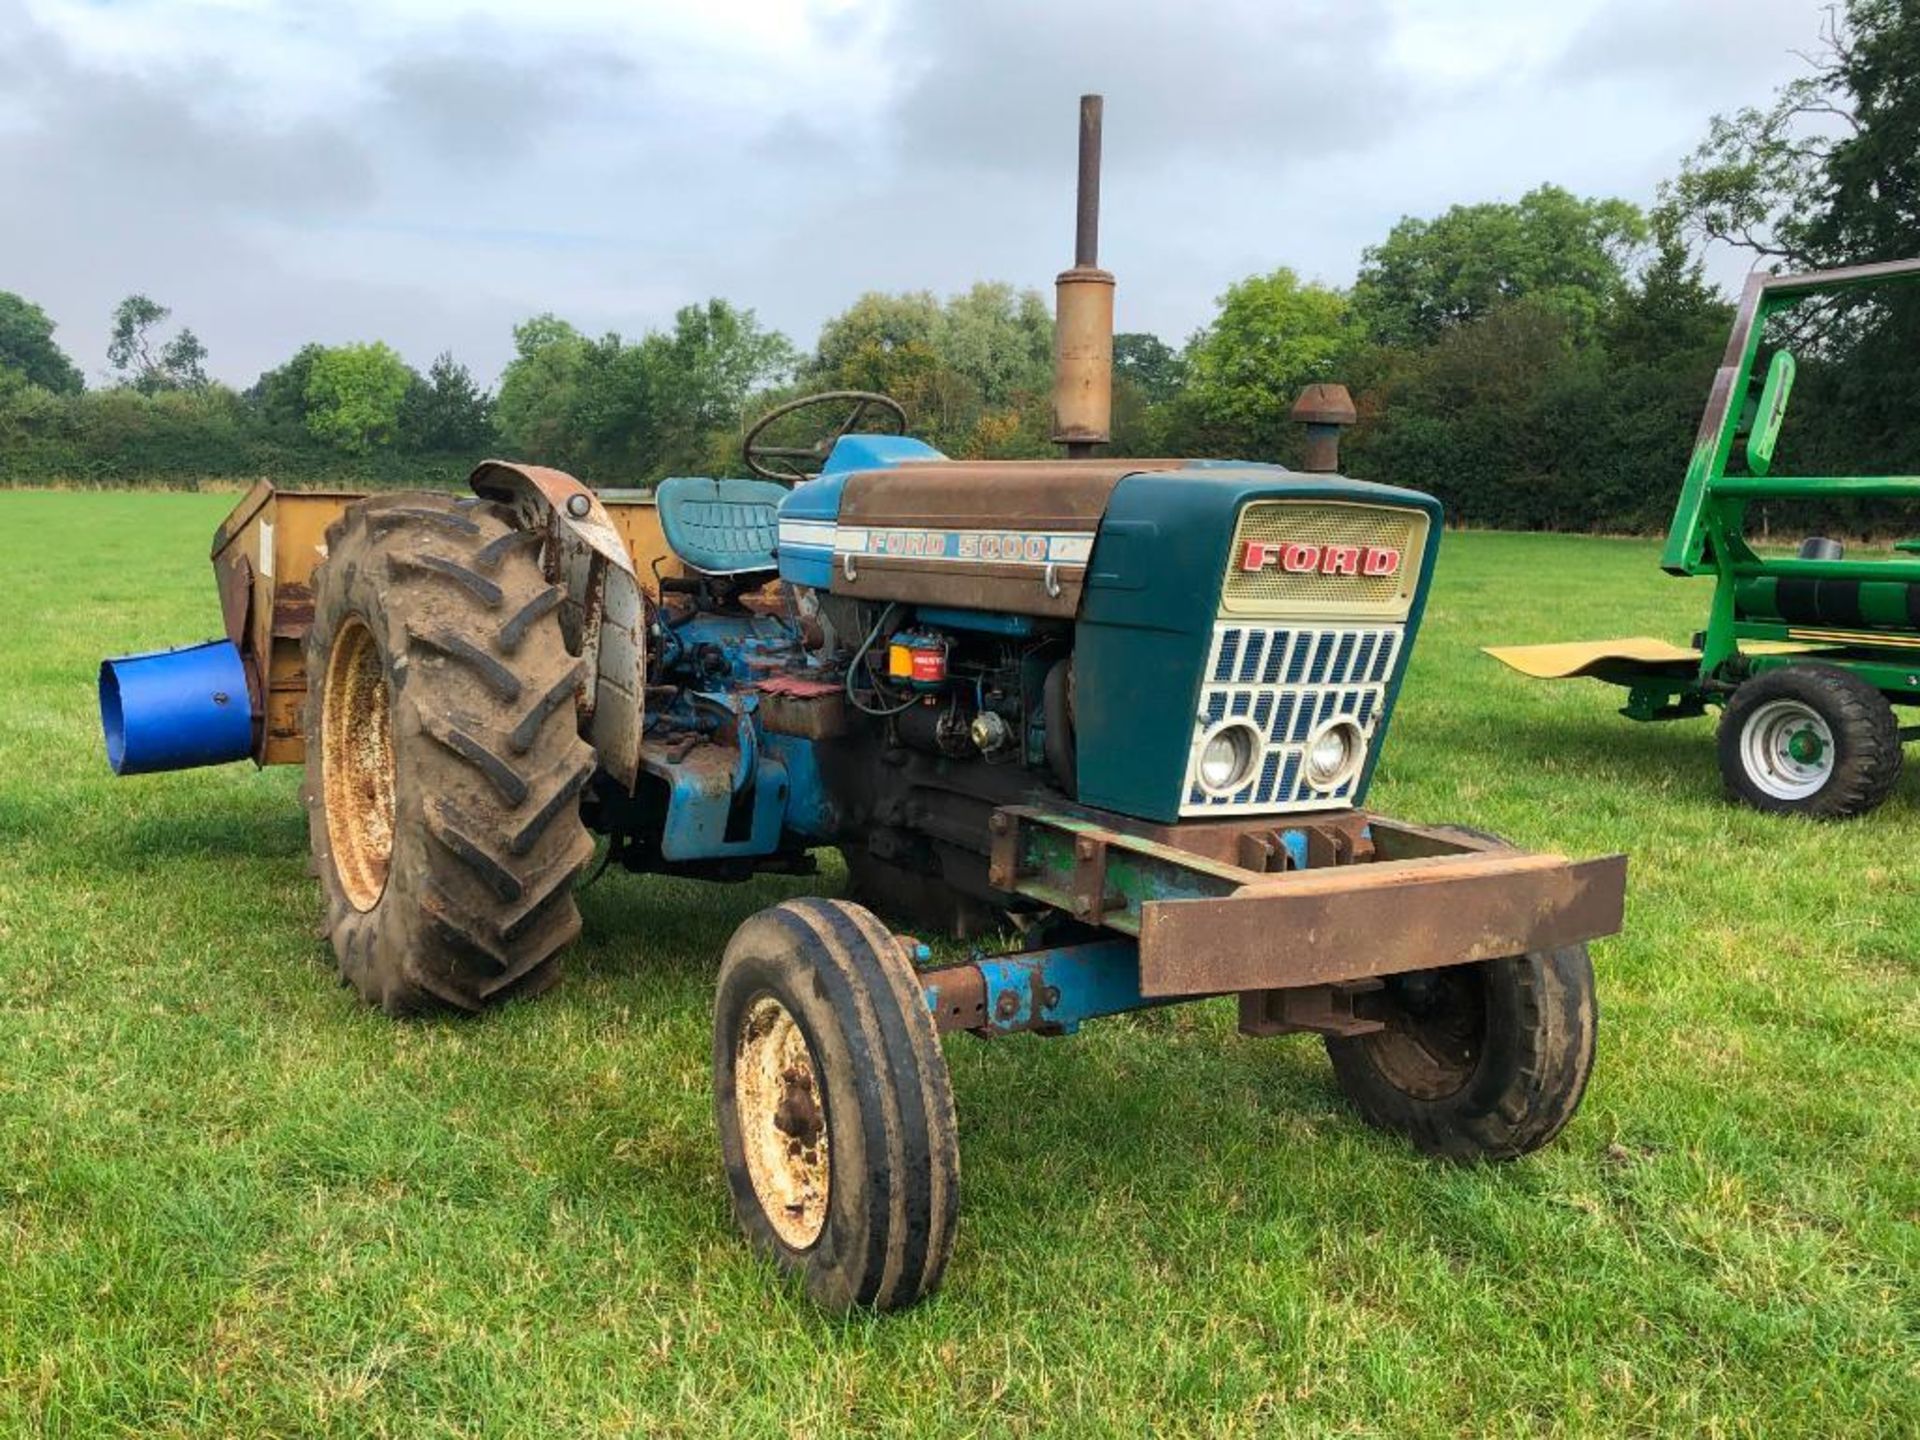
1289	680
1273	591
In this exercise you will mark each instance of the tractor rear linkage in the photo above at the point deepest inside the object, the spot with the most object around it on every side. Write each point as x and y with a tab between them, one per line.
1303	922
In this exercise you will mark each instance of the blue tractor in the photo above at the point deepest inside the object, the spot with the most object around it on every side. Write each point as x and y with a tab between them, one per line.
1116	718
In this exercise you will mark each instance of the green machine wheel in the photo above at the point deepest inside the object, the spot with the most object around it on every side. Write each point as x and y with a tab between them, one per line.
1812	740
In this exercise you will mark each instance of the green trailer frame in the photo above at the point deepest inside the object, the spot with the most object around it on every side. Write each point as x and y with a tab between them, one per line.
1768	612
1707	535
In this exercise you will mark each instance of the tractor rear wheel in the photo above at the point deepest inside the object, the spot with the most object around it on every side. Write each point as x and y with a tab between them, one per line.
444	767
1477	1062
1812	740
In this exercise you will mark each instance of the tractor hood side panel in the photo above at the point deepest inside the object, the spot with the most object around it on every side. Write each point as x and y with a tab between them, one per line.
1008	536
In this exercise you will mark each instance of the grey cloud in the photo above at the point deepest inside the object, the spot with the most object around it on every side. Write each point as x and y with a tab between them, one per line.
1234	80
167	146
455	179
485	97
1711	49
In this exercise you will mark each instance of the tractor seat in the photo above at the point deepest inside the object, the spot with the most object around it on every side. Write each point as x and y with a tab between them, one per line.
721	527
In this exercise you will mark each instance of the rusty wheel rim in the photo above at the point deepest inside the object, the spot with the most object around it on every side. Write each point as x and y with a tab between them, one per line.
1436	1032
356	765
781	1111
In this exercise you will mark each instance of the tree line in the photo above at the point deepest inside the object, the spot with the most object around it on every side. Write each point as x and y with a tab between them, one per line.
1539	363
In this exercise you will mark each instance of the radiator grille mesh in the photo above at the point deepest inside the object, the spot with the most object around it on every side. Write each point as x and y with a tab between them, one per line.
1288	681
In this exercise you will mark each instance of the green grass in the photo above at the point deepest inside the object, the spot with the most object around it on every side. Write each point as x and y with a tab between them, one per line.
233	1201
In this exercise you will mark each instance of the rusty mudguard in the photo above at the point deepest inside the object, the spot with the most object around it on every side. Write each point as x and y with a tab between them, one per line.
605	547
1307	901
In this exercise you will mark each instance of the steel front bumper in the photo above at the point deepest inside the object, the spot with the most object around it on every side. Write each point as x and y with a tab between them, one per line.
1237	907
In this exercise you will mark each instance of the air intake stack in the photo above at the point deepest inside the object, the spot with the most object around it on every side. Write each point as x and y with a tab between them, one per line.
1083	314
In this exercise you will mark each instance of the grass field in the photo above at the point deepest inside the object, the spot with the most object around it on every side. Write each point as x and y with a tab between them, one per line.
234	1202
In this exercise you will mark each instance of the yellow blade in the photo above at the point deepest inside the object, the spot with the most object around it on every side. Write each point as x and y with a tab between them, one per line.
1617	659
1591	657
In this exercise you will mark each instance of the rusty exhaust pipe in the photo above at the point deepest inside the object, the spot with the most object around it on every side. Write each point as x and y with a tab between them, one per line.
1083	314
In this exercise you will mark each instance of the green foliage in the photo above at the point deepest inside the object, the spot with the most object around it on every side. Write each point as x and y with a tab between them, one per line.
354	395
1272	336
119	436
1669	308
1427	275
999	340
1525	419
27	349
143	360
583	405
1829	174
1872	169
444	410
881	342
974	373
1148	364
701	375
619	412
279	396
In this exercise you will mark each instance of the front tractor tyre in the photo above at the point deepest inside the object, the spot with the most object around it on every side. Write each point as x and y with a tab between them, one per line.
1485	1061
444	767
1813	740
833	1104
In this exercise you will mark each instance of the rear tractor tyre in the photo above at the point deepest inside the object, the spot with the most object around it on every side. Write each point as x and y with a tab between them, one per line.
1813	740
1478	1062
834	1108
444	767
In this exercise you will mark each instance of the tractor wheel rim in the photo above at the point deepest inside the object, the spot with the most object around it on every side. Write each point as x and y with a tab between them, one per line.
780	1106
1787	749
356	765
1436	1031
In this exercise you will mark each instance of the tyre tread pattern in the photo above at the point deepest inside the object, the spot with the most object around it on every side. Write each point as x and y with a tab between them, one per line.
1866	735
895	1078
479	901
1532	1072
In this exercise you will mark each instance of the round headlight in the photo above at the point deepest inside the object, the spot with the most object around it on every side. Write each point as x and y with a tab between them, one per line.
1334	753
1227	758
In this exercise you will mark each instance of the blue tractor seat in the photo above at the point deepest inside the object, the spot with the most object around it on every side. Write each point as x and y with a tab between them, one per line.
721	527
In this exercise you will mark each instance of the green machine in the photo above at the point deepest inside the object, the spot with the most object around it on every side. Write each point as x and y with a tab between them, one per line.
1807	653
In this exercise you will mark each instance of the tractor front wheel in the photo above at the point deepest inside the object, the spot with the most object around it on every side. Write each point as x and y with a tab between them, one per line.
1812	740
834	1107
1477	1062
444	766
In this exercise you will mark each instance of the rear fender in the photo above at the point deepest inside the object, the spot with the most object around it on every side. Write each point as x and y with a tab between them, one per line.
604	607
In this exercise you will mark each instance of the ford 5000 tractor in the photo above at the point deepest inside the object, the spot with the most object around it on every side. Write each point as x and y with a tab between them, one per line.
1121	714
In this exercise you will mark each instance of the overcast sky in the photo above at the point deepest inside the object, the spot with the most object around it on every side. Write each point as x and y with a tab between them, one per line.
429	172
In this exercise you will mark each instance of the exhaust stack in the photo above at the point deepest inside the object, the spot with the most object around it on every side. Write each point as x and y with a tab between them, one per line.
1083	314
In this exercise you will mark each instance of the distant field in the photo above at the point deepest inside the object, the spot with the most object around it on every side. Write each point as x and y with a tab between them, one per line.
232	1201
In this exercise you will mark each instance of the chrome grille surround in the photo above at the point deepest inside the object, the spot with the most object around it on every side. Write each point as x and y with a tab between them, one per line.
1288	681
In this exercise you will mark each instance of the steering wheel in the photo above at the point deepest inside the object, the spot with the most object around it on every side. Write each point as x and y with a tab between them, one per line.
791	463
